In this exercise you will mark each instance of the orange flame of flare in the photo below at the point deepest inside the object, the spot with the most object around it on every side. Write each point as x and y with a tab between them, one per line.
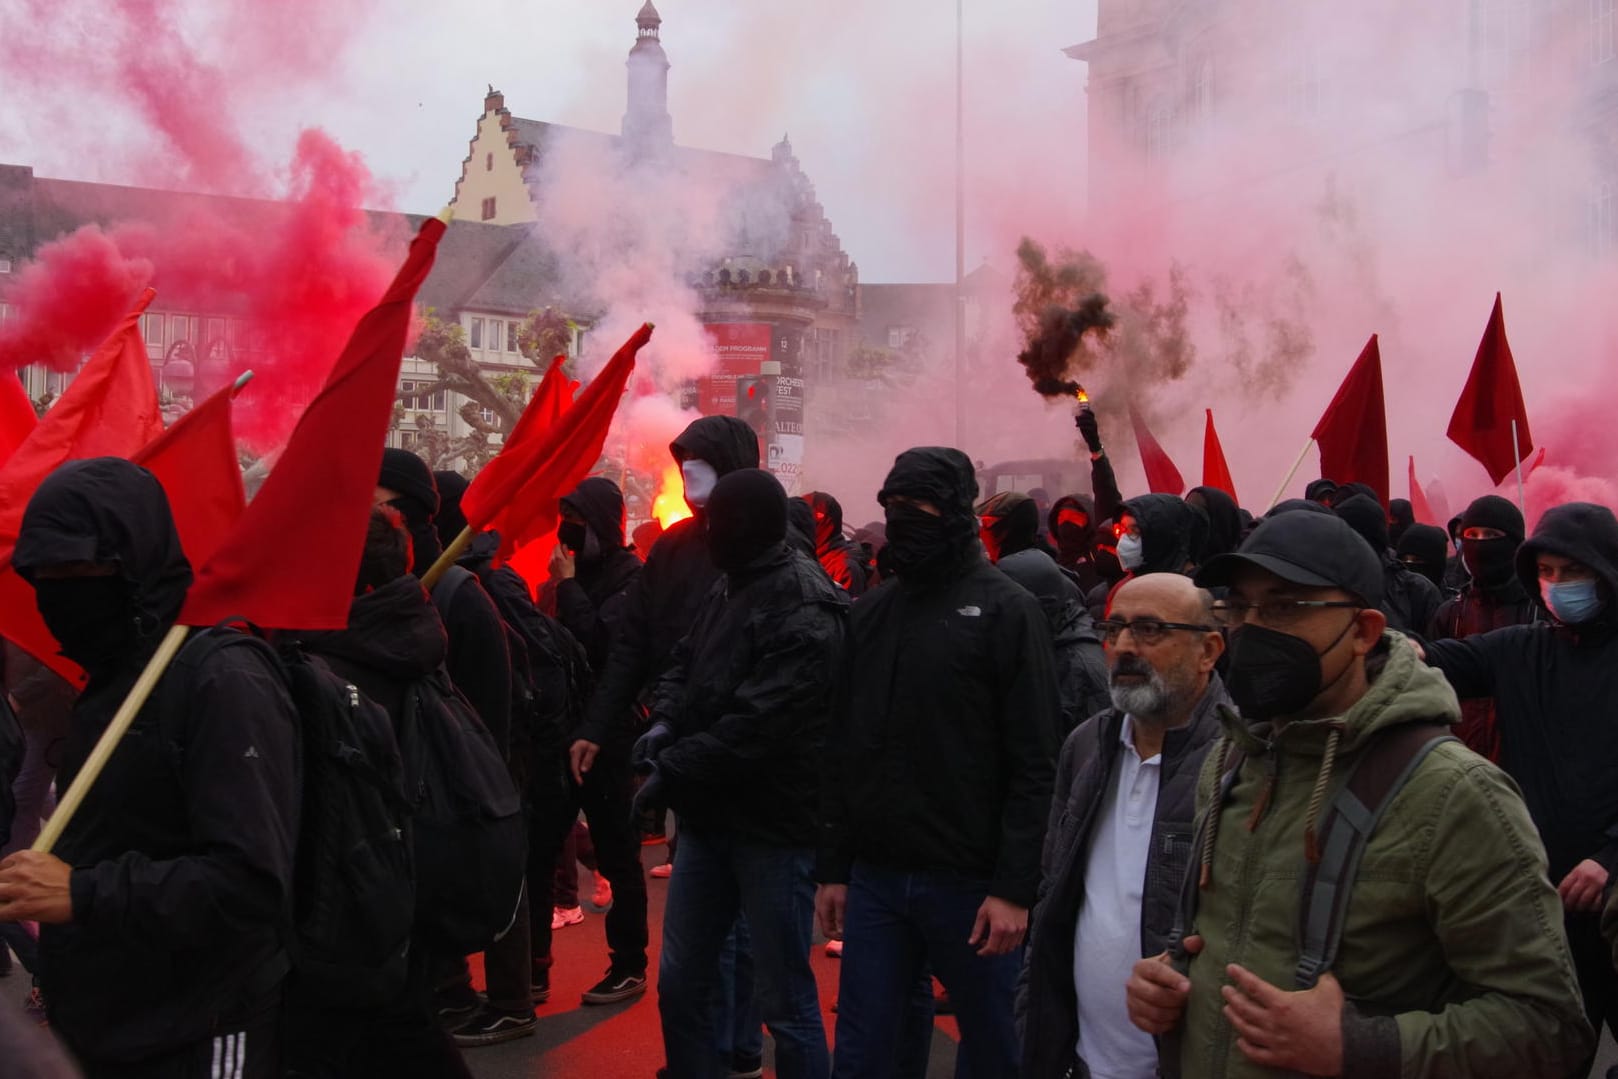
668	505
1083	397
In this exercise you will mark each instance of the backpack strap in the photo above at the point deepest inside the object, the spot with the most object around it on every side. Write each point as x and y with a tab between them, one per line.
1349	820
1191	887
449	584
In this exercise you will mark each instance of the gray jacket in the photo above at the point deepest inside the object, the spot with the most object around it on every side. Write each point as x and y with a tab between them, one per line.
1047	1005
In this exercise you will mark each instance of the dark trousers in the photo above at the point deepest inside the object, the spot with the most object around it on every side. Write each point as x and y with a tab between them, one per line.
507	968
896	926
248	1049
1592	962
577	847
605	798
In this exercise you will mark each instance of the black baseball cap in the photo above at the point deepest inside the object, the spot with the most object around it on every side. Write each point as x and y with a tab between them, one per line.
1316	550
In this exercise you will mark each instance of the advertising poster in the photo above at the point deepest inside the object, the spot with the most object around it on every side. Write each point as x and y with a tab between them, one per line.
742	348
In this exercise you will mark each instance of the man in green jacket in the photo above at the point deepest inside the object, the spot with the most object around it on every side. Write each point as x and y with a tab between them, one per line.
1452	958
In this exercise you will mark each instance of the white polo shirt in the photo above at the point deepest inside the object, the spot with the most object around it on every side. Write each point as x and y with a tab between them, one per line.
1106	944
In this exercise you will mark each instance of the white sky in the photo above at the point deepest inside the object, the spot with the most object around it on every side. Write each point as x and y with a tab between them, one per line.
864	87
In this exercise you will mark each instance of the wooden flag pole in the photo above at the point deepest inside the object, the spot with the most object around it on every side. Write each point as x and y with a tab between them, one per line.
1293	471
454	551
1516	455
69	804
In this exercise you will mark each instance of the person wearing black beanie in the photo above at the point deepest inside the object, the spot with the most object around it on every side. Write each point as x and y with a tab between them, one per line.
1408	599
1491	530
407	484
737	732
1422	548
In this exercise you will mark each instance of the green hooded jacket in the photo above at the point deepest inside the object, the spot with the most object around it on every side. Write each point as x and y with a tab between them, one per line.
1453	959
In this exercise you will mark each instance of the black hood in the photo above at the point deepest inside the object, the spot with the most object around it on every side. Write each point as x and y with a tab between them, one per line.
725	442
108	510
938	474
828	518
802	527
1584	532
1168	527
450	522
1366	516
1012	518
394	631
1043	579
599	501
1430	547
1400	517
1085	505
1224	522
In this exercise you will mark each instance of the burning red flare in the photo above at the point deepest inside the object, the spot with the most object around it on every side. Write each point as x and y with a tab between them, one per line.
668	505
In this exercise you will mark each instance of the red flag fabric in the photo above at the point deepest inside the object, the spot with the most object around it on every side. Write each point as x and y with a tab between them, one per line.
1353	433
1419	507
1490	401
291	560
17	416
1215	472
498	481
1539	459
567	452
196	462
1162	478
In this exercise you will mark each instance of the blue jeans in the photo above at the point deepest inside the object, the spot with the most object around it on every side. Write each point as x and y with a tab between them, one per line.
717	877
895	927
740	1026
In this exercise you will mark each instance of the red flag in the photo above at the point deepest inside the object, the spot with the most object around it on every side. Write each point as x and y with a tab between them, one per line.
291	560
1353	433
567	453
1490	401
1539	459
498	481
1161	476
17	416
196	462
1419	509
1215	472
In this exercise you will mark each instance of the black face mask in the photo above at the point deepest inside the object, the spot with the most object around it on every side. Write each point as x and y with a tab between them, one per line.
92	618
1491	562
1274	674
572	534
920	544
1072	540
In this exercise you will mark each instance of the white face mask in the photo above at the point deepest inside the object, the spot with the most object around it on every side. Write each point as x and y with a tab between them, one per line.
700	478
1131	553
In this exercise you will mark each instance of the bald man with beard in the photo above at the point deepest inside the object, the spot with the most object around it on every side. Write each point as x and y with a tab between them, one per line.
1119	838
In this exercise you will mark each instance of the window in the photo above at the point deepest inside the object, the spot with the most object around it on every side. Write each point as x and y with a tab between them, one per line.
1603	219
488	163
406	396
5	264
486	415
1159	132
1504	32
511	337
1603	30
1202	89
488	208
179	328
900	336
152	329
475	338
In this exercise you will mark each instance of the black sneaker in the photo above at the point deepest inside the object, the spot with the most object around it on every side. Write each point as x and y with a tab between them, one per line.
616	987
746	1066
454	1011
540	985
491	1026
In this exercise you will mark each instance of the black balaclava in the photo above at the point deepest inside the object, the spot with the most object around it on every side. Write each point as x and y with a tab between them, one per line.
746	518
1400	517
599	503
1073	540
1320	491
409	477
801	527
449	520
1492	563
1012	521
1365	516
1425	549
923	549
828	519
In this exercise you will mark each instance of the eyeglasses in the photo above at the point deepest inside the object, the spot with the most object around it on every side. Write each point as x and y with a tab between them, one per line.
1146	630
1276	612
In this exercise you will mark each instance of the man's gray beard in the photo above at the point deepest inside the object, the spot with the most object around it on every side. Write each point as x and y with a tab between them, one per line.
1149	700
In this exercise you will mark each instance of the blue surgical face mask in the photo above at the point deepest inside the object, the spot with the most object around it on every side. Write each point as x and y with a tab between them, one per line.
1131	552
1572	602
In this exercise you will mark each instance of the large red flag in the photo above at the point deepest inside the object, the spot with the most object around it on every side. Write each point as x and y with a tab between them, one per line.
1162	478
1215	472
196	462
498	481
17	416
1419	509
1490	402
568	452
291	560
1353	433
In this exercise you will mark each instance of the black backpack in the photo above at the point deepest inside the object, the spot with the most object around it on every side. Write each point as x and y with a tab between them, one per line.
354	891
470	846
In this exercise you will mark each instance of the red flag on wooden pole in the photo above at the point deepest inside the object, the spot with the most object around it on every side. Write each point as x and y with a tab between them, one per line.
1491	401
1215	472
1162	478
1419	507
499	480
1353	432
195	461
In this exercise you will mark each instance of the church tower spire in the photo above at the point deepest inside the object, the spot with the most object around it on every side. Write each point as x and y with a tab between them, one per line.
647	121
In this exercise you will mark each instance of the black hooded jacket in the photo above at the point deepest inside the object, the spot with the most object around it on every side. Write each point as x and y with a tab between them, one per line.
1409	600
1081	663
183	849
1555	690
588	603
1077	559
942	754
1224	522
1168	530
394	638
661	603
841	556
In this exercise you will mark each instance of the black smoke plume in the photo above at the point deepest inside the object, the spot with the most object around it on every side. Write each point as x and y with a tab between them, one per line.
1061	309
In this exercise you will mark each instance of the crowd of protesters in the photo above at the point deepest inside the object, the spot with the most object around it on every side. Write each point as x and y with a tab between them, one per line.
1149	786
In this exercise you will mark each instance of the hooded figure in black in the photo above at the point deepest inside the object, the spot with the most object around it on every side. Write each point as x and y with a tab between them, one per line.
1400	517
1423	548
1009	522
1409	599
1225	526
1456	576
736	747
841	556
1555	690
1072	524
161	943
661	603
479	661
942	761
1081	662
801	528
1493	598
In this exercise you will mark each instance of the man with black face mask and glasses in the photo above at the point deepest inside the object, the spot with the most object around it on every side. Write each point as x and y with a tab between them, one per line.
1367	896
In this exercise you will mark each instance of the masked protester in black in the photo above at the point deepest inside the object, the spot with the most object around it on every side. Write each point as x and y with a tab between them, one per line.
942	759
1072	524
1400	517
1555	690
841	556
1009	523
1422	549
1408	599
1493	598
801	528
1456	577
738	730
1225	527
1081	662
160	908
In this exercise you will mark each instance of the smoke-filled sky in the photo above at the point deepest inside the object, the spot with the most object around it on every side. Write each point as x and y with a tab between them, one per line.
866	91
